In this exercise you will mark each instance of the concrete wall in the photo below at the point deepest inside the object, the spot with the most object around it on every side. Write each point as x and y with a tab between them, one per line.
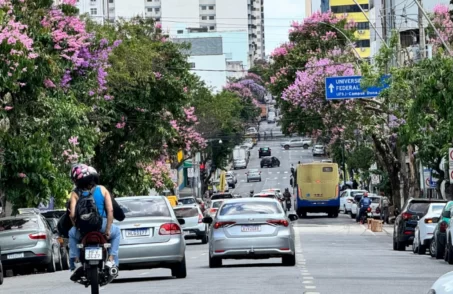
215	79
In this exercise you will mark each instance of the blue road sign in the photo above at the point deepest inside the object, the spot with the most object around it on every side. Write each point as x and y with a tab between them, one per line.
349	88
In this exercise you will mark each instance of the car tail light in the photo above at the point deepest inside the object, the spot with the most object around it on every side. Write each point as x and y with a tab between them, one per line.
212	210
200	218
39	236
219	225
408	232
368	209
406	215
428	220
378	210
443	227
169	229
350	201
280	222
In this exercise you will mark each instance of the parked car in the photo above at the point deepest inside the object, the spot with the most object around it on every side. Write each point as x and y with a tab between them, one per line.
347	198
448	255
270	161
248	143
271	117
297	142
27	241
151	235
251	228
187	200
384	204
217	196
239	164
443	285
251	131
63	242
425	228
193	226
230	180
253	175
438	242
406	221
247	150
264	151
233	175
319	150
215	205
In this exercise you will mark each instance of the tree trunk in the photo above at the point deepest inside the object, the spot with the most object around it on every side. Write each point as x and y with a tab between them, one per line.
3	203
391	165
404	175
414	179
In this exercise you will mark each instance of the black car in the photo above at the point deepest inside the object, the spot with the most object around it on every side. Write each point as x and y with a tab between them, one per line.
264	151
270	162
439	240
407	220
217	196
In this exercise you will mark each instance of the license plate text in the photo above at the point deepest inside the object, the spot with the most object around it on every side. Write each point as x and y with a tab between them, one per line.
251	229
93	253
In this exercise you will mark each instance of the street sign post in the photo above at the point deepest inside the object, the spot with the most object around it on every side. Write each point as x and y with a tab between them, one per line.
348	87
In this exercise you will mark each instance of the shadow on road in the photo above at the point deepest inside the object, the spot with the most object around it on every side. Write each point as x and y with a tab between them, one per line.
141	279
194	244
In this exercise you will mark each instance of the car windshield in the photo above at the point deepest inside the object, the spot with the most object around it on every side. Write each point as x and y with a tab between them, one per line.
254	173
183	212
418	207
216	204
241	208
18	224
144	207
222	196
187	200
264	148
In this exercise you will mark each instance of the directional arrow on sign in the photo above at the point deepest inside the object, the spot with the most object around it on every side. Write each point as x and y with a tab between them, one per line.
331	88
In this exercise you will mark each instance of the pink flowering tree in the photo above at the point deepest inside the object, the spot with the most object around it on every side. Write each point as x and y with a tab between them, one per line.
50	65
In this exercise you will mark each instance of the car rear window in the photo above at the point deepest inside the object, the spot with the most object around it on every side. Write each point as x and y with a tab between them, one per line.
418	207
18	224
222	196
187	201
264	148
241	208
374	200
186	212
216	204
265	195
144	207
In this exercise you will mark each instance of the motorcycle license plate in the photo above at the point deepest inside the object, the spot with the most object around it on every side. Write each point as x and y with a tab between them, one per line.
370	214
94	253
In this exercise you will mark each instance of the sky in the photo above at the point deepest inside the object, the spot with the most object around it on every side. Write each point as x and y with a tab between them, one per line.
278	15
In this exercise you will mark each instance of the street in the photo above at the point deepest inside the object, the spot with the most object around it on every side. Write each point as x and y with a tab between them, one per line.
334	255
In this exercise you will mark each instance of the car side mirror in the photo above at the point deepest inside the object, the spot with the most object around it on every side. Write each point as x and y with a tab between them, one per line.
181	221
435	220
446	214
293	217
207	220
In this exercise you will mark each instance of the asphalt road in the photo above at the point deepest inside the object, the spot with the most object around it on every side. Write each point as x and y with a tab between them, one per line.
333	256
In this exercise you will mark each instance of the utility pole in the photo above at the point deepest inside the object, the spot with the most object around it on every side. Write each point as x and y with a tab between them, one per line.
421	29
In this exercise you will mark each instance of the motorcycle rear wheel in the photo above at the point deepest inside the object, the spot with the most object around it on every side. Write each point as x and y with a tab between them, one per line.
93	277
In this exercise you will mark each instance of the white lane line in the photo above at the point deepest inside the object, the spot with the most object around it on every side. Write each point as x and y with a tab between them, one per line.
307	282
286	172
284	178
203	254
307	278
194	257
278	183
145	273
310	287
275	178
269	172
306	273
278	172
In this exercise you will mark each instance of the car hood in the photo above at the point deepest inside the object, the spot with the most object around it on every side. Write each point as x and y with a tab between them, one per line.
444	285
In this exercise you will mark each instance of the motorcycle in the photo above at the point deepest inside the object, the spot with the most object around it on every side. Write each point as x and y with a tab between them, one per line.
93	256
364	217
288	204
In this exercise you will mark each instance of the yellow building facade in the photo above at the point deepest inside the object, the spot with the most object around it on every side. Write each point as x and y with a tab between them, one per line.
353	12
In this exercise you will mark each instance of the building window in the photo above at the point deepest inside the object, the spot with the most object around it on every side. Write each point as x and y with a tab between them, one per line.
348	8
110	1
211	7
93	11
212	17
180	31
192	64
362	43
363	25
203	7
212	28
93	1
149	0
204	18
157	19
149	9
157	10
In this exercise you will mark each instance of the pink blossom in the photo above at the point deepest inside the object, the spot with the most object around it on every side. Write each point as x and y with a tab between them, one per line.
74	140
8	108
120	125
158	25
49	84
70	2
21	175
158	75
186	89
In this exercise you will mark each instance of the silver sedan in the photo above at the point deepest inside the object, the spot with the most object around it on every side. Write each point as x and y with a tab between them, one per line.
251	228
151	235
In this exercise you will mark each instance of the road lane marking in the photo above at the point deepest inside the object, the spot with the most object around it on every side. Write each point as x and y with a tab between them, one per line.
310	287
275	178
307	278
307	282
145	273
284	178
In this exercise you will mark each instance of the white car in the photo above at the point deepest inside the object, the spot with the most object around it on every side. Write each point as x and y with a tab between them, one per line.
277	191
319	150
226	188
425	228
193	228
347	198
297	142
375	200
214	206
251	131
248	143
443	285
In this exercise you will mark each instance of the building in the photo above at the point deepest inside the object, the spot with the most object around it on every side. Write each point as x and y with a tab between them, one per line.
325	5
179	15
354	12
311	6
207	59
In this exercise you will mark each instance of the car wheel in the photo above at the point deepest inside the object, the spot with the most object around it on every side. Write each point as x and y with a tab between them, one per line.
205	238
248	181
395	246
59	262
335	214
305	146
400	246
439	249
262	166
289	260
352	215
65	259
51	267
286	147
215	262
450	253
421	247
432	247
234	186
179	270
345	211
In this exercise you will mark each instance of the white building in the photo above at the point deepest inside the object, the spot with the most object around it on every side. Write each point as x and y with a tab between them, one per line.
177	15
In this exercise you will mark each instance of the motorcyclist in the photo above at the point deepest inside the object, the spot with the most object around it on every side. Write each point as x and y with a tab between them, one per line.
252	193
365	202
287	198
86	179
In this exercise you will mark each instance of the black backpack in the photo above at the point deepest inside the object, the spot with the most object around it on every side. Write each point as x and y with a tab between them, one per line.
87	217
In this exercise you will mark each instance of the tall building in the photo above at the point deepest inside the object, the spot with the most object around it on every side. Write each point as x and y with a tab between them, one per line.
179	15
352	11
311	6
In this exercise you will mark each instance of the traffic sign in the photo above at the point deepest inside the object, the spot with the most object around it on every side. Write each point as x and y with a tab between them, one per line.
349	87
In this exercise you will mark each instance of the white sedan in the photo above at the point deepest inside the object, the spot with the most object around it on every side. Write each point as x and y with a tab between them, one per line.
425	228
443	285
347	198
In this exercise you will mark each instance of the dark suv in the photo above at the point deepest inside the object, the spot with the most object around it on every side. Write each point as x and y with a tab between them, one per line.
437	246
270	162
405	223
264	151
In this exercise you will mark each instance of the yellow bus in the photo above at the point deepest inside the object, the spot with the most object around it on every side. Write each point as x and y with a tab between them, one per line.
317	188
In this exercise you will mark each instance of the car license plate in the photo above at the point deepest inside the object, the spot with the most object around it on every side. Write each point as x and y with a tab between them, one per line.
14	256
93	253
187	233
251	229
137	233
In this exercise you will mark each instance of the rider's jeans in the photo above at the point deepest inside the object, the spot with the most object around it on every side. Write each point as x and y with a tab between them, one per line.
115	236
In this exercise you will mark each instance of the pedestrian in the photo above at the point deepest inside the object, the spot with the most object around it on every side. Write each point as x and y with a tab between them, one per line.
259	139
264	135
272	134
355	185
